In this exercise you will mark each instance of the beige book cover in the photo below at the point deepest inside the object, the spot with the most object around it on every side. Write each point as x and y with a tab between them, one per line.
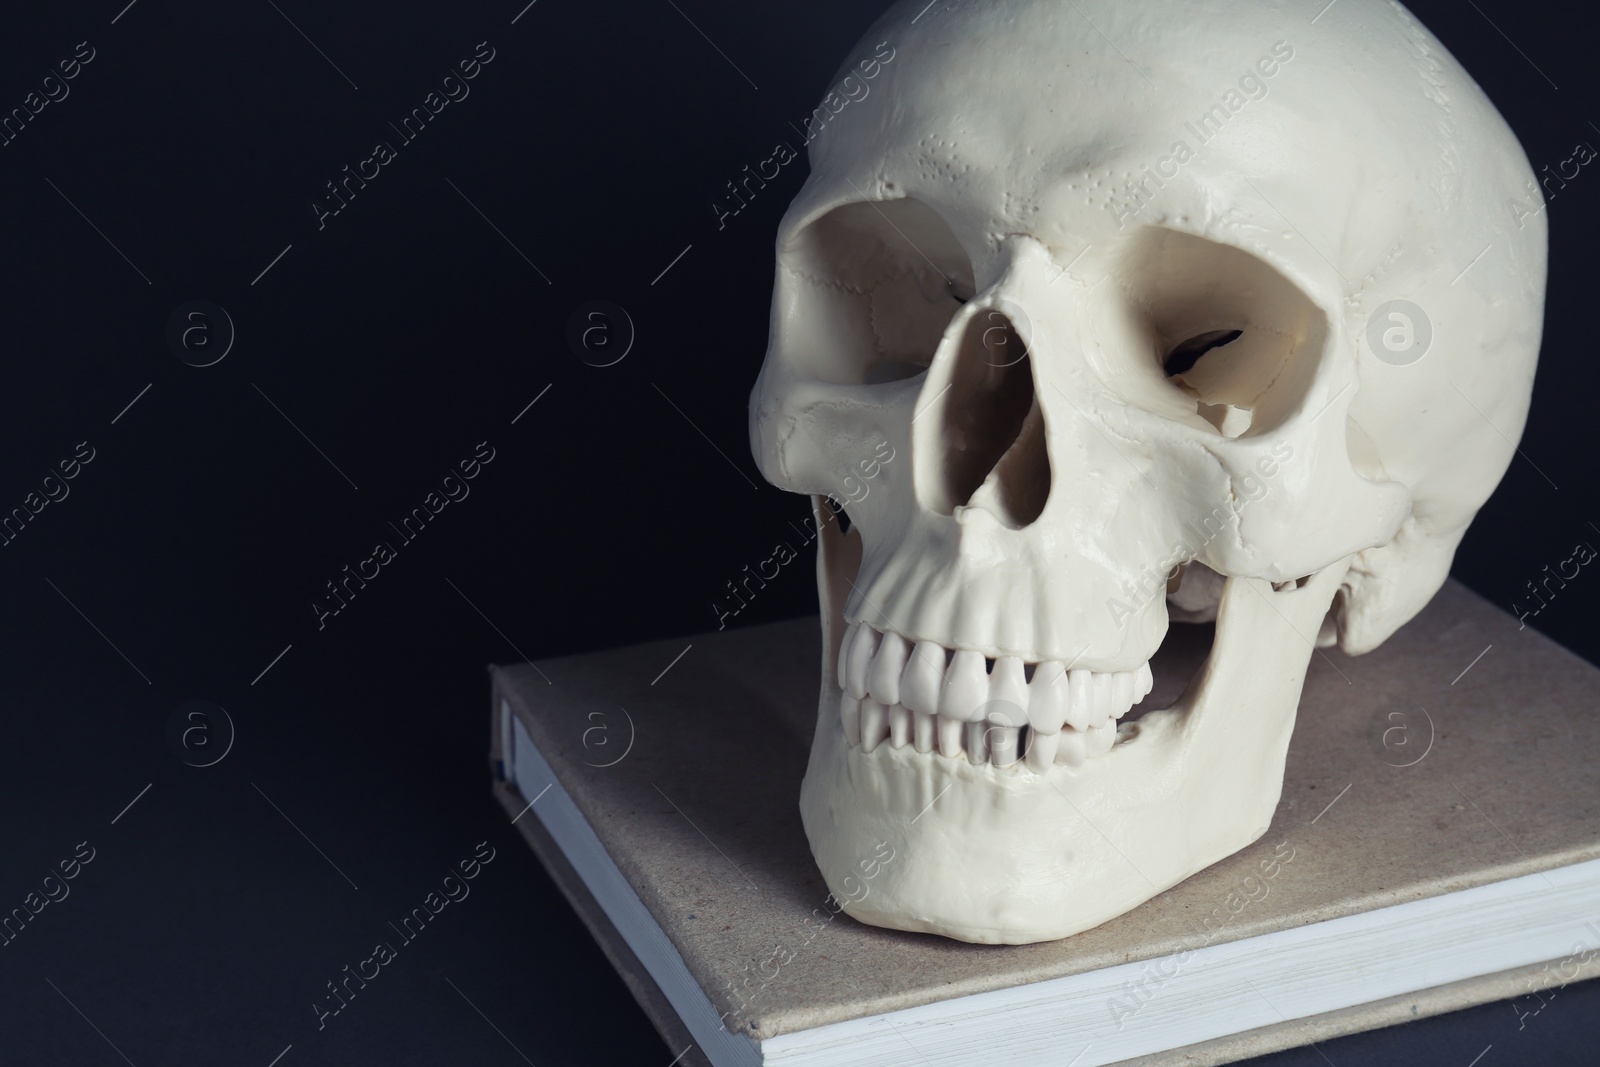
1459	755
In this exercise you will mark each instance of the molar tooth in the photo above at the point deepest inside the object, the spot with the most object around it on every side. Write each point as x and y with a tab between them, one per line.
1122	693
1007	684
883	680
1144	683
1003	742
924	674
850	717
977	742
1099	739
863	643
899	725
1080	709
923	734
1048	697
1070	751
1042	749
874	723
966	687
950	732
844	652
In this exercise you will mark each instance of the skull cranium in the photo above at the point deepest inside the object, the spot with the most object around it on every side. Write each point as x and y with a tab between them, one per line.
1099	278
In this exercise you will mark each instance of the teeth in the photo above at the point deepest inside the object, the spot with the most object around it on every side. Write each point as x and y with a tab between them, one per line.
950	732
850	717
1080	709
1071	750
1122	697
844	651
863	643
924	673
1009	687
874	723
1042	750
883	681
1099	739
966	687
923	731
1048	698
1003	745
899	725
1001	711
977	738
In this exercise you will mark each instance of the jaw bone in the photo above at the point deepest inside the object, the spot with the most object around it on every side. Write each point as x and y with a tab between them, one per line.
1005	855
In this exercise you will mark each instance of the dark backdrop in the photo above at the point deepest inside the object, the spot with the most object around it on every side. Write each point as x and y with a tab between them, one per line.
371	351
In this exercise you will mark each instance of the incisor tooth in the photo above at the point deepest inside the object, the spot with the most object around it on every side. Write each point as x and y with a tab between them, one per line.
883	681
966	687
924	674
850	717
923	736
863	643
874	723
1008	686
1080	709
950	732
1048	697
1003	744
899	725
1146	682
1042	749
977	742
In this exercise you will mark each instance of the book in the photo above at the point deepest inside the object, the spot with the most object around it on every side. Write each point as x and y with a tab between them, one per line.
1436	846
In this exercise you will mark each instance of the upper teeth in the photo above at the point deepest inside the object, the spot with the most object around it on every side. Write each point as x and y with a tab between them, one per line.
990	710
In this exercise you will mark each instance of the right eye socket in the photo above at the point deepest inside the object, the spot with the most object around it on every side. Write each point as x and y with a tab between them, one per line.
877	283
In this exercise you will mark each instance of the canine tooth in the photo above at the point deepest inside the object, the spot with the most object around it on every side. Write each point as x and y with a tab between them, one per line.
923	733
1145	682
1071	749
1048	697
883	680
899	725
1099	738
1122	693
1080	710
950	732
863	643
844	651
1003	745
1042	749
850	717
977	742
966	687
1007	684
874	723
924	674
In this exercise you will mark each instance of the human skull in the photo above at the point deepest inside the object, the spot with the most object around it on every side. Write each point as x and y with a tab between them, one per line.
1078	307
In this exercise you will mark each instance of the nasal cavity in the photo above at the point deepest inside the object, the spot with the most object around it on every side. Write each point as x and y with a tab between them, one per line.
992	429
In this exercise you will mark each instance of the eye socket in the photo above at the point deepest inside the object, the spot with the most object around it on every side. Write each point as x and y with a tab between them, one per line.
1183	357
1230	333
876	282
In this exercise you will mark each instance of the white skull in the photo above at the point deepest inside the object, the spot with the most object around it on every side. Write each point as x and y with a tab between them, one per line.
1038	210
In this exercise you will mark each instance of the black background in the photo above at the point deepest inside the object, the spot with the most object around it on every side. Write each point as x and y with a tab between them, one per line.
376	353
